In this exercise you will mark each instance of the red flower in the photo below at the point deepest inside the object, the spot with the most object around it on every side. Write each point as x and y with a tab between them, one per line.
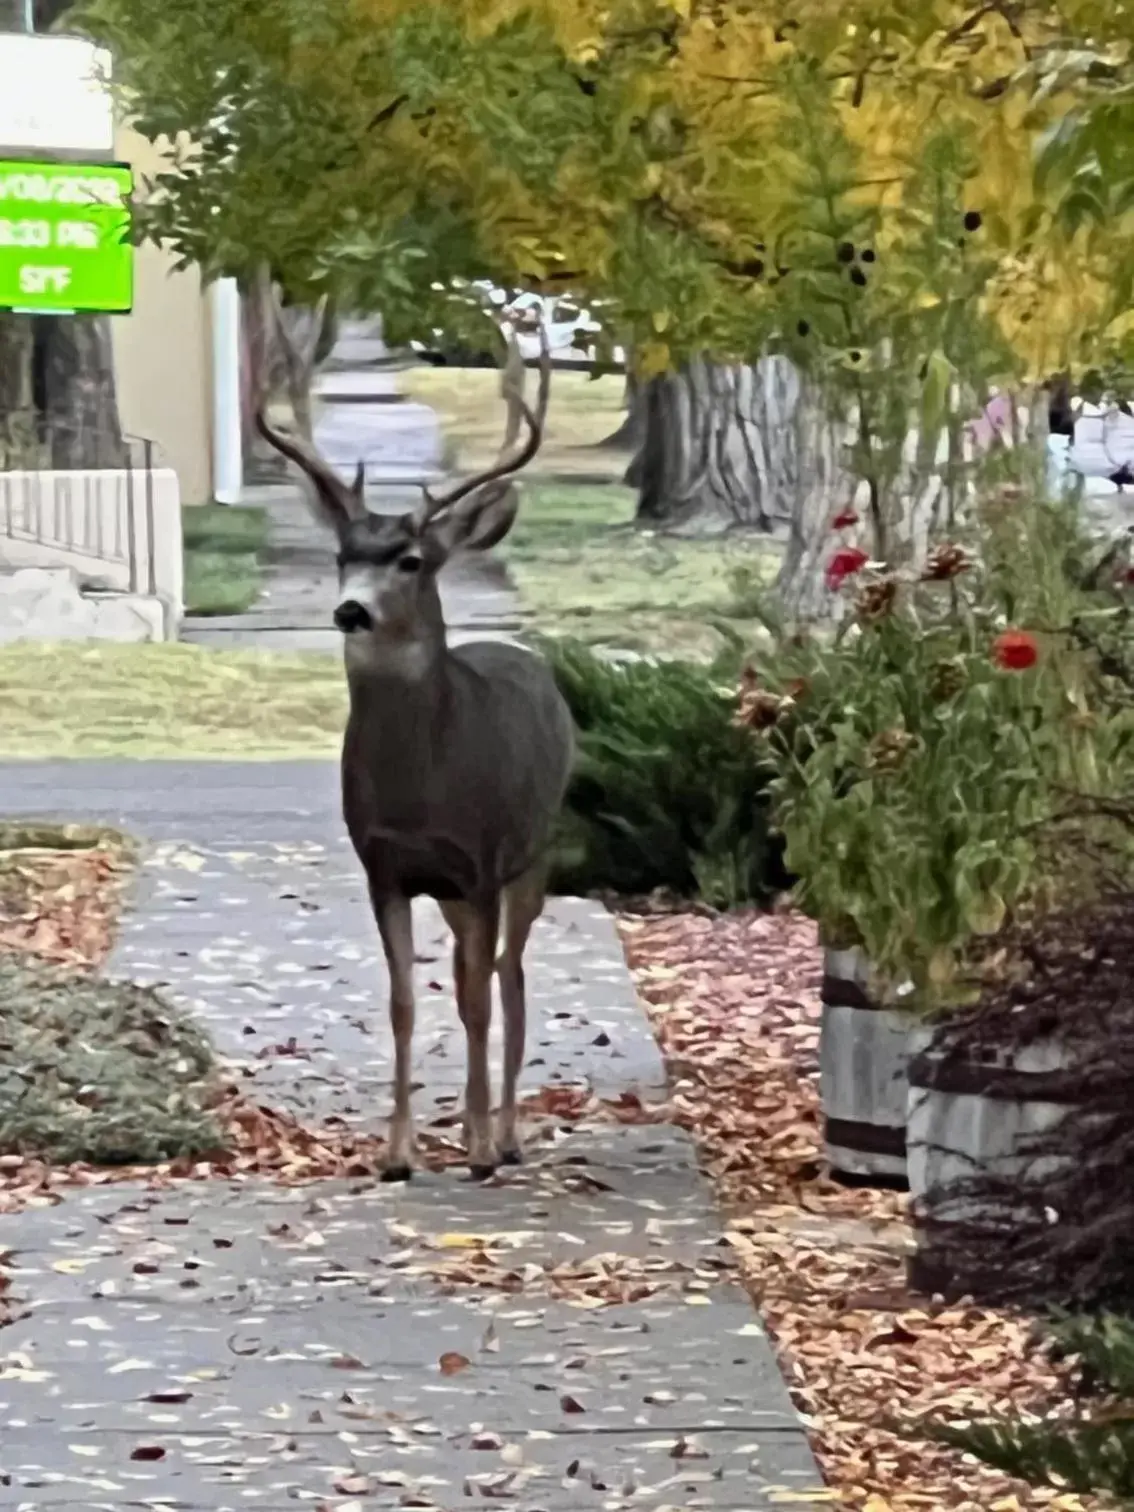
1015	650
844	564
1126	577
844	520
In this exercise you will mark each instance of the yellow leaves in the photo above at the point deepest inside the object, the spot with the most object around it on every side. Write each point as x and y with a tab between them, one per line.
653	359
1056	305
579	27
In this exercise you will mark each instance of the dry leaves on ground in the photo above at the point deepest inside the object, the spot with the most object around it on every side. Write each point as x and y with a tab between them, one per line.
264	1142
61	906
735	1004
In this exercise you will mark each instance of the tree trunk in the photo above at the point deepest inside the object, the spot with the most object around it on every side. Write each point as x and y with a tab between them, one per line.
632	432
57	399
78	401
19	428
738	446
262	463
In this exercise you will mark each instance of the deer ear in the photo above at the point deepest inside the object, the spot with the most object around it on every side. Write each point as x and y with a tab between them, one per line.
480	521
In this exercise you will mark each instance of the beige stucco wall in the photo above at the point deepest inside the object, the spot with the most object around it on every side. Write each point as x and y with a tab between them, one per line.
162	354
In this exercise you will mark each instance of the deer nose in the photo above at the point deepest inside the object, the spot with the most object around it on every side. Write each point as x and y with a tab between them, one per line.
351	615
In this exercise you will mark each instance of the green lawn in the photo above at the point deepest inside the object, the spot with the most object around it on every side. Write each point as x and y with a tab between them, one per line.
584	571
223	545
95	699
583	411
580	566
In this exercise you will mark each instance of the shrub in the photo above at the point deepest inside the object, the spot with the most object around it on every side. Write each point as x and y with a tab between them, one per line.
99	1071
666	794
1089	1452
921	751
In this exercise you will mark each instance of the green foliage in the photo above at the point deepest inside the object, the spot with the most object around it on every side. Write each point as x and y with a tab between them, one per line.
584	572
99	1071
666	794
1086	1453
384	148
222	547
916	776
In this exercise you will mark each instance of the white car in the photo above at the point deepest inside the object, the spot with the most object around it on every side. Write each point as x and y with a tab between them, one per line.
568	326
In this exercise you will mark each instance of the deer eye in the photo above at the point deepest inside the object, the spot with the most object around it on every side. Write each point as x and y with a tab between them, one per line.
409	563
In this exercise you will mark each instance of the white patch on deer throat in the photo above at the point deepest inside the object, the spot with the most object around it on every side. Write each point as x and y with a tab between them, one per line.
366	652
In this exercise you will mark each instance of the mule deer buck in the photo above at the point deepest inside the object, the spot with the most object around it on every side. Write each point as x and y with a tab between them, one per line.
454	765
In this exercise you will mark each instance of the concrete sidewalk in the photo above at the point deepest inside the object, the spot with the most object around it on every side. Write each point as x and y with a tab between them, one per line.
565	1337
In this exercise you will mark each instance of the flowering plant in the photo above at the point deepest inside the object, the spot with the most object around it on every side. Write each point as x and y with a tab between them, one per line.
922	751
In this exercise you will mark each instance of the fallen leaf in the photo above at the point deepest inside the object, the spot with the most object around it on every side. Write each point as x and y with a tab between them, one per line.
452	1363
352	1485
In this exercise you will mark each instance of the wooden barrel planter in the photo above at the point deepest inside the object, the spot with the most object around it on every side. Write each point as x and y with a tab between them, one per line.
973	1113
862	1077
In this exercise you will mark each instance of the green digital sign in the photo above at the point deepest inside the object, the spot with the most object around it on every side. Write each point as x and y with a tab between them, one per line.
65	237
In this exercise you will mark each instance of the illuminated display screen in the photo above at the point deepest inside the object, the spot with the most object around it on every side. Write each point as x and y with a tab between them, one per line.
65	237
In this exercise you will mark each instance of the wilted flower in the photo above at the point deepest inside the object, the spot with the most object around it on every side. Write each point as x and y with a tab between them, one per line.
889	749
946	680
1009	493
876	600
945	562
1015	650
845	563
760	709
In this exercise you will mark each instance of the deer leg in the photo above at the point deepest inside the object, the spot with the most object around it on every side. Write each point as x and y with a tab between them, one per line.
475	929
395	925
523	904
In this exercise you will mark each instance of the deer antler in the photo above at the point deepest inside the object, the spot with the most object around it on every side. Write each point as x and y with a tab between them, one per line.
314	466
337	502
433	504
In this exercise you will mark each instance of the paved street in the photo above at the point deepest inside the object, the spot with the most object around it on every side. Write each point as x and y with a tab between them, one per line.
354	1346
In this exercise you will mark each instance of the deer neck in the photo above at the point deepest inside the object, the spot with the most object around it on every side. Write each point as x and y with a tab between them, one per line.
408	668
399	692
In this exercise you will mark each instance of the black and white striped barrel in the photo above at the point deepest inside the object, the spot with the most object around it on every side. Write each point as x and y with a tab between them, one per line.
975	1112
862	1075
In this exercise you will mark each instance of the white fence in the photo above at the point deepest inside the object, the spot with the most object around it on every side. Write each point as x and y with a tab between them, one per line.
118	529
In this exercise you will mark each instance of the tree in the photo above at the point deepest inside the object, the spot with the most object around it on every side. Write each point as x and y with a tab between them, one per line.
855	197
735	445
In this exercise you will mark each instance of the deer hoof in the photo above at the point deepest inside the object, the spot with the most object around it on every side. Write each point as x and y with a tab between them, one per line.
397	1173
512	1157
482	1172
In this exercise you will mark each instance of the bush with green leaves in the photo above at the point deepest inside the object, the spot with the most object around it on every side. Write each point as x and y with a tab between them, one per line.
666	794
922	750
1086	1452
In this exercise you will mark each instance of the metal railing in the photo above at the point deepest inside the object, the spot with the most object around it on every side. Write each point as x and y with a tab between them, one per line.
117	526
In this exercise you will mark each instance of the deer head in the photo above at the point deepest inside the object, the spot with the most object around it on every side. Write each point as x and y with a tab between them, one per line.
388	566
